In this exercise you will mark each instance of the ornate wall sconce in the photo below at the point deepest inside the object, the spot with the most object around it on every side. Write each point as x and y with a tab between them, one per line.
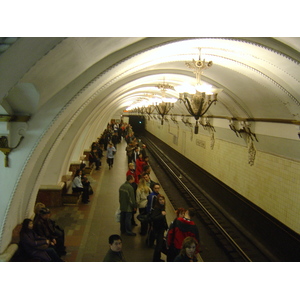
186	122
163	109
173	119
206	125
7	150
149	110
243	130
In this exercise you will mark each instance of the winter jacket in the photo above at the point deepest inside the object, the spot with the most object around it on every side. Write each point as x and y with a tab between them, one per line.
179	230
127	197
141	198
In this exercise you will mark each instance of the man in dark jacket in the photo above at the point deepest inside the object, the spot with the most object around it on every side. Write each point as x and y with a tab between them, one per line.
114	254
178	231
152	198
127	205
46	227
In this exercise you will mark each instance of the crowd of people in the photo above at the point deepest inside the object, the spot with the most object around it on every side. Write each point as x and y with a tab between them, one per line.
42	240
140	195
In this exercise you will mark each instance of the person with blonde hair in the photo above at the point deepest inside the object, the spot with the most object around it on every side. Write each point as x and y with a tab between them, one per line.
131	171
142	191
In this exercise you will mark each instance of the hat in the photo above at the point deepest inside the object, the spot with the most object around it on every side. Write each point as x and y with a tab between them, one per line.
44	211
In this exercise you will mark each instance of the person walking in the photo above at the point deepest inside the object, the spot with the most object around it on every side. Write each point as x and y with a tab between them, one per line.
127	205
111	150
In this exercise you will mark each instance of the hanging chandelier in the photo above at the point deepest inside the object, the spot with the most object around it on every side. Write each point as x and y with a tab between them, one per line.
199	98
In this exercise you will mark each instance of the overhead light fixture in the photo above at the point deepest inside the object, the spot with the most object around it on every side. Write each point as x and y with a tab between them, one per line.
198	98
164	105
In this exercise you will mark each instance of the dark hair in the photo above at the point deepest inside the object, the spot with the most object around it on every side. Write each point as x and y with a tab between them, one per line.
179	211
114	237
77	172
156	203
24	227
145	168
129	177
191	212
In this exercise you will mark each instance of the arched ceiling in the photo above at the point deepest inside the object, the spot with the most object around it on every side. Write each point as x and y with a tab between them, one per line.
259	77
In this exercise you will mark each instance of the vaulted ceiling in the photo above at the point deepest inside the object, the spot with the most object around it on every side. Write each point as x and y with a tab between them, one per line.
259	77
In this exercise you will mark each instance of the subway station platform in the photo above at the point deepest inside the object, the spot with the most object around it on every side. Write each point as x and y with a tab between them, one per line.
88	226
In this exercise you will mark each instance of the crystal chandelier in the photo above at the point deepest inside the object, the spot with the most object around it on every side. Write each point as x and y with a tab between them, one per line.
198	99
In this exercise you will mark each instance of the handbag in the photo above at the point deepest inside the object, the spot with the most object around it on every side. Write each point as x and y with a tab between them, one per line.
118	215
144	218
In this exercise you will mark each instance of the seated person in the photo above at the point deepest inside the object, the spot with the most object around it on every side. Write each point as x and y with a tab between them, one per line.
34	246
76	183
45	227
94	158
86	188
114	254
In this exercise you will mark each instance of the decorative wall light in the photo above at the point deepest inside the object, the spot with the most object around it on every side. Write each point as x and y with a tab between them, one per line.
164	105
163	108
5	149
173	119
149	110
186	121
244	129
198	99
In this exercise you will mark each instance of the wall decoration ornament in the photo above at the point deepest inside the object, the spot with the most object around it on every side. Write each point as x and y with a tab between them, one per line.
251	152
5	149
212	140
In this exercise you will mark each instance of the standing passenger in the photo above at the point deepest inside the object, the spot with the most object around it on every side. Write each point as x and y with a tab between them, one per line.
188	251
143	190
160	225
115	253
152	198
131	171
139	163
127	205
178	231
111	150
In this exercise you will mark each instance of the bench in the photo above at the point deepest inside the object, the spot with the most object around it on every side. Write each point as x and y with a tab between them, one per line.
50	195
68	196
13	253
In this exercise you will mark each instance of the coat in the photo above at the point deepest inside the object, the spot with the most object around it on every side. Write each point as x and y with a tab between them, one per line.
127	197
30	243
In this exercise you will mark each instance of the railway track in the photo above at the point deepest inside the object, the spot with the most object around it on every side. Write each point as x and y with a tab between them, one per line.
236	241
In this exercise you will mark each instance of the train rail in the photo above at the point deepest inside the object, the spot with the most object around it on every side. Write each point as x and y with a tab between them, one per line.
238	243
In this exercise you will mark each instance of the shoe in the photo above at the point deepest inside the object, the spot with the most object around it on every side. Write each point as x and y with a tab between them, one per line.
131	233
